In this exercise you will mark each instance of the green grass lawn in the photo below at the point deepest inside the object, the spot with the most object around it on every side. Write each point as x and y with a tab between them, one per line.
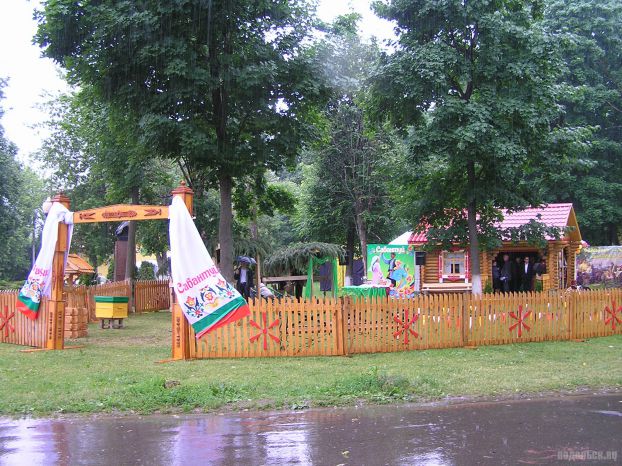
117	371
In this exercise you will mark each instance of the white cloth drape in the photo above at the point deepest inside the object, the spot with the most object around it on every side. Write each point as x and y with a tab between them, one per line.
205	297
39	282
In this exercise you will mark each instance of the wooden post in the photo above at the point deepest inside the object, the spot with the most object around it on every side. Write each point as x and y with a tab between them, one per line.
573	249
55	337
551	266
181	329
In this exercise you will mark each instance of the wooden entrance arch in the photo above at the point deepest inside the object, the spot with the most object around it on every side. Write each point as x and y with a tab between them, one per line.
55	338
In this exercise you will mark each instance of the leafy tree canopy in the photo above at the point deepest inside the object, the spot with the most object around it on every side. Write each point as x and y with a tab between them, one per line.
591	85
227	87
475	81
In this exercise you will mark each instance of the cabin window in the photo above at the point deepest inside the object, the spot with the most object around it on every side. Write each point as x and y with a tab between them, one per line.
453	265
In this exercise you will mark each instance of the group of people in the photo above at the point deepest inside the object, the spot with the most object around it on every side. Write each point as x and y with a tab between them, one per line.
516	275
245	282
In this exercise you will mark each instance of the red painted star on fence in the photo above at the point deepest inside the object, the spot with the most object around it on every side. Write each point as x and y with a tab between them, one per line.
520	320
613	317
265	331
4	321
405	326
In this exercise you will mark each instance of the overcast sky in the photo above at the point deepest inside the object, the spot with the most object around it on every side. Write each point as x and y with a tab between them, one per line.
32	77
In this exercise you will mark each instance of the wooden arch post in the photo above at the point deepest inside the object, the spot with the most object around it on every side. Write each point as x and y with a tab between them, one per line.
181	329
55	336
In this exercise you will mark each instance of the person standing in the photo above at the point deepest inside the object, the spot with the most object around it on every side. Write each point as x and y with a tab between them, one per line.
506	274
515	285
496	277
526	275
244	277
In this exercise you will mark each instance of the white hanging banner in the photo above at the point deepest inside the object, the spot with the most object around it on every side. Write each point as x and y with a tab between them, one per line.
205	297
39	282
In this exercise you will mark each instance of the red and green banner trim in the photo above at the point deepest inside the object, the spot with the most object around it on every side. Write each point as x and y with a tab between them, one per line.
234	310
28	307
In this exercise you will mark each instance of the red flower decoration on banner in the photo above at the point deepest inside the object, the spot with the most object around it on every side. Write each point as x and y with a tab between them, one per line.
265	331
520	320
405	327
4	321
613	317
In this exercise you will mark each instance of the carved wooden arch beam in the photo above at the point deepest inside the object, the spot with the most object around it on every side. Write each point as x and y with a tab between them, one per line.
120	213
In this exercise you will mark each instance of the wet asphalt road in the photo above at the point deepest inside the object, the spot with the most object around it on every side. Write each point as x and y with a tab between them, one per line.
584	429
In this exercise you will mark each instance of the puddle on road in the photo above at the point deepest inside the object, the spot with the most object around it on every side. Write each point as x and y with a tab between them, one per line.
478	433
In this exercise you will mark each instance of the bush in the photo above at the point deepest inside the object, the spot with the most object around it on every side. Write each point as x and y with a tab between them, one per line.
146	271
11	285
110	274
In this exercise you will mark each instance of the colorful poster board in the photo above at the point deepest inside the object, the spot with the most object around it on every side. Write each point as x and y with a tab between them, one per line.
380	257
600	267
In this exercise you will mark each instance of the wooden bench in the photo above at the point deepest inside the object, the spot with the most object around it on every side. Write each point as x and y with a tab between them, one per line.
455	287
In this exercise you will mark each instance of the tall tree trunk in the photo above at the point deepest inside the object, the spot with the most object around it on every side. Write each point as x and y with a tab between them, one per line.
254	229
361	230
225	233
476	277
130	263
95	263
162	261
350	253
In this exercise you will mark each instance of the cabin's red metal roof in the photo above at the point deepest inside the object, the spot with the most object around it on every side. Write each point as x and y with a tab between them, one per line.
552	215
417	238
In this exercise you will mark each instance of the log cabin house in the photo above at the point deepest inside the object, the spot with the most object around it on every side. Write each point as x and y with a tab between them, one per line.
449	270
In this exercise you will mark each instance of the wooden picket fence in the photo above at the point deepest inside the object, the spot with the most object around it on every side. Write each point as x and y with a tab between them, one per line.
151	295
343	326
322	327
17	329
277	328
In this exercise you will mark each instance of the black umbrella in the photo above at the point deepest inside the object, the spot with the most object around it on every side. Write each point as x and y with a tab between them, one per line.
246	260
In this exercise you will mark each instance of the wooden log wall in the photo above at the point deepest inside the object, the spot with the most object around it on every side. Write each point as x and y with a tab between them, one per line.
430	274
77	312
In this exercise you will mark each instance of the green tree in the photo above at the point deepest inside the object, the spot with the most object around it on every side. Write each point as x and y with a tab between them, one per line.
476	82
21	195
146	271
228	87
346	189
96	155
592	97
